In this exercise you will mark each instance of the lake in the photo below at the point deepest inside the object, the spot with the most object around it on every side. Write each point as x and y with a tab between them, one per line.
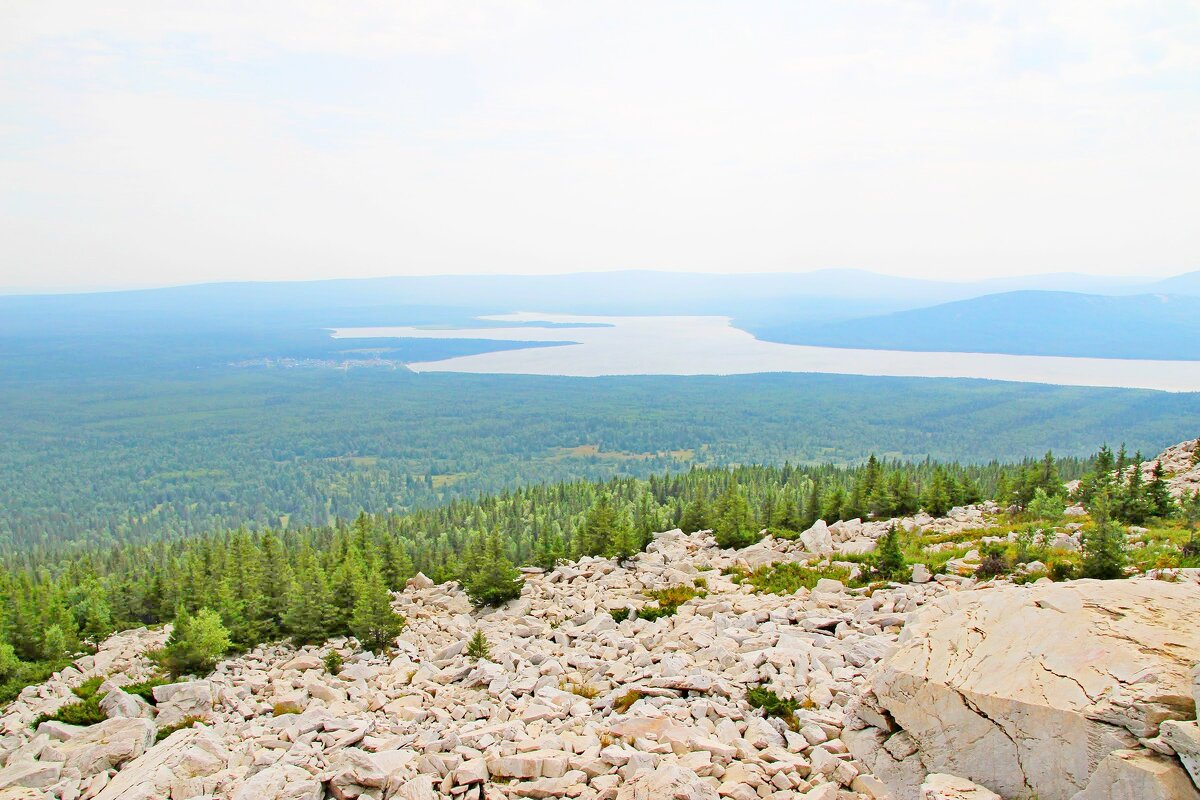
710	345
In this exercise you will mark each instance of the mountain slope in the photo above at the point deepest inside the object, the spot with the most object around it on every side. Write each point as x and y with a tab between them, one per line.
1023	323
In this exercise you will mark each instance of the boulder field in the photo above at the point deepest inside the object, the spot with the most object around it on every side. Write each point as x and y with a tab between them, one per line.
947	688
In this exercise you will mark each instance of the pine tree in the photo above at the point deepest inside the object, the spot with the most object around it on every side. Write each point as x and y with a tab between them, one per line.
275	587
1105	550
599	528
196	643
833	506
1004	490
496	580
309	617
373	621
10	665
1158	494
734	526
812	505
346	583
1133	504
478	646
889	560
937	499
55	643
1100	479
397	565
696	516
905	499
790	517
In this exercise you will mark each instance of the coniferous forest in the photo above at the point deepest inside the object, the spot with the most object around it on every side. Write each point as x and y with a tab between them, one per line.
154	455
244	583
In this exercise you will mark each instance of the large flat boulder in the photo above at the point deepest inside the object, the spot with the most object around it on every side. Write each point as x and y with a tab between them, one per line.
1026	690
107	745
175	762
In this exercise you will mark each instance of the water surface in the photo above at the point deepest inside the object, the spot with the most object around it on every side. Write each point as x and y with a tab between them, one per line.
710	345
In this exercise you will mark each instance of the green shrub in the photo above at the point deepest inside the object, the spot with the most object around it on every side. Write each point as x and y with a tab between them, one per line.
789	578
626	701
196	644
651	613
145	689
24	673
584	690
674	595
89	687
1049	507
167	730
1061	571
333	662
773	705
10	665
81	712
620	614
994	562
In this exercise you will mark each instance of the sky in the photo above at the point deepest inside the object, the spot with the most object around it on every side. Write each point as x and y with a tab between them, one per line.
153	142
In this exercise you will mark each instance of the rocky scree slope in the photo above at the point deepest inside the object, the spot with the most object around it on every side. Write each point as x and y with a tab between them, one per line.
888	683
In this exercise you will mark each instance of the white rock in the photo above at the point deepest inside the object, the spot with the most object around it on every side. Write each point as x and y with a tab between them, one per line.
667	782
30	774
280	782
107	745
1025	689
117	703
818	539
304	661
1138	775
949	787
1184	738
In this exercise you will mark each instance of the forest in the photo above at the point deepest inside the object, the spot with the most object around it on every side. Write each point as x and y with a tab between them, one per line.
112	460
245	584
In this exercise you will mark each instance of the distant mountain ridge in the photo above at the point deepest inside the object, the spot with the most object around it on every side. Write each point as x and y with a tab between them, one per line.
1148	326
1049	314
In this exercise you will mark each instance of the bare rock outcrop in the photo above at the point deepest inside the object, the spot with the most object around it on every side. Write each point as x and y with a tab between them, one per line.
1028	690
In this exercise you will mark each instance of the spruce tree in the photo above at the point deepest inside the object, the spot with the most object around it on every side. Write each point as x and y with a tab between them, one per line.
812	505
373	621
346	583
1158	494
889	560
1133	504
1105	550
696	516
478	646
309	617
734	526
599	527
496	580
10	665
833	506
196	643
275	586
937	499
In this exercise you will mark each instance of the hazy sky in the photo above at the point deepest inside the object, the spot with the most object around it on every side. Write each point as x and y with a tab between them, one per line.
146	143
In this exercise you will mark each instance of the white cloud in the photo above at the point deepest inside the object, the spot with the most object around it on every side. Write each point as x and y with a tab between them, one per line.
147	143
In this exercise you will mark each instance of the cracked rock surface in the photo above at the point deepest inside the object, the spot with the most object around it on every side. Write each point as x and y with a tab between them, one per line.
1029	690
